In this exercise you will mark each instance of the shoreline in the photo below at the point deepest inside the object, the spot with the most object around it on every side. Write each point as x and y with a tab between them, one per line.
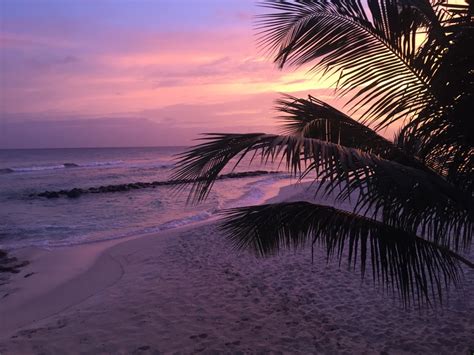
41	289
276	181
187	290
49	290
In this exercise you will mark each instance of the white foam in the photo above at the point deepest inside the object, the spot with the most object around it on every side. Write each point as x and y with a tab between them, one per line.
87	239
92	164
186	220
100	163
37	168
255	192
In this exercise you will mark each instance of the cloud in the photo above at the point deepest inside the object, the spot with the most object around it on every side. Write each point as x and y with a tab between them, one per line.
193	68
216	71
79	132
103	132
176	124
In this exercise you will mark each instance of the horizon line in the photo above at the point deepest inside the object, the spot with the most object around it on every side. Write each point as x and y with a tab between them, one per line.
113	147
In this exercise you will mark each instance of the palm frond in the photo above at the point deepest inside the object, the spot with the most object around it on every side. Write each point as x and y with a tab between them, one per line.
313	118
403	196
374	51
417	268
444	143
442	135
412	199
203	163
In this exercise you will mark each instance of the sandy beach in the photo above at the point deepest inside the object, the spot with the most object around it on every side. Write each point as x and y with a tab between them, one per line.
186	290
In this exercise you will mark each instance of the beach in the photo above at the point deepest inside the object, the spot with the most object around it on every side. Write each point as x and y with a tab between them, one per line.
147	146
186	290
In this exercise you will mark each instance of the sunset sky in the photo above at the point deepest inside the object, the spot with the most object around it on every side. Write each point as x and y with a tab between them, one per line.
90	73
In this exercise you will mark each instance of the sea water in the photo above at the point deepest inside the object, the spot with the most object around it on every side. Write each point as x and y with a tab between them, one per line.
36	221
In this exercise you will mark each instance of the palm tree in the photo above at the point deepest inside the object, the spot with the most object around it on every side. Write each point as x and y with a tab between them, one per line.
408	62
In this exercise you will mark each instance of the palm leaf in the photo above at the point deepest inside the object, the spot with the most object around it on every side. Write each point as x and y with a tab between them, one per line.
401	195
314	118
418	269
413	199
375	50
442	134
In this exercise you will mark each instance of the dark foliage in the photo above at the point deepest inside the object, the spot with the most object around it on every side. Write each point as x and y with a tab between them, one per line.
409	62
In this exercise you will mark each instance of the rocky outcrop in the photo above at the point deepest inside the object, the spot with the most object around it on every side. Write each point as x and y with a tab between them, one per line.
70	165
76	192
10	263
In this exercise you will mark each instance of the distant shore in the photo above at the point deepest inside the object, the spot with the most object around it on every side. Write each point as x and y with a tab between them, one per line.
187	290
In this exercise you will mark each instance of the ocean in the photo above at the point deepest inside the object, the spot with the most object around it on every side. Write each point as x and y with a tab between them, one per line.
29	220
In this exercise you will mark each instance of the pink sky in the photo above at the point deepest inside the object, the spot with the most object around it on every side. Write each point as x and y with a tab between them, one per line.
129	73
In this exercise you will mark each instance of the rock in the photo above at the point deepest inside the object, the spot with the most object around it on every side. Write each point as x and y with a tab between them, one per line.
49	194
144	347
74	193
10	264
70	165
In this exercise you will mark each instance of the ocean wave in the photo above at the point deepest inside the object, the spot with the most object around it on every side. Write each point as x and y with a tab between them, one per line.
37	168
181	222
33	168
251	193
100	163
255	192
152	166
86	239
94	164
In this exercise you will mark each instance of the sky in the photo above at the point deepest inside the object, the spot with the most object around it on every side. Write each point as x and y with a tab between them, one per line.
109	73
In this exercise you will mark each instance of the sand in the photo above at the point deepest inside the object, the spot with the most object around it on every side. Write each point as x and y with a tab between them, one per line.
186	290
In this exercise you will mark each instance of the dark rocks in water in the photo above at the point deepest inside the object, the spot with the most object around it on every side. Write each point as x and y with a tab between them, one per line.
49	194
245	174
10	264
70	165
76	192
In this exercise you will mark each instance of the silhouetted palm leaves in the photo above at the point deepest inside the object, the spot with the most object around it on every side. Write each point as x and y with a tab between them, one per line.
398	257
413	197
